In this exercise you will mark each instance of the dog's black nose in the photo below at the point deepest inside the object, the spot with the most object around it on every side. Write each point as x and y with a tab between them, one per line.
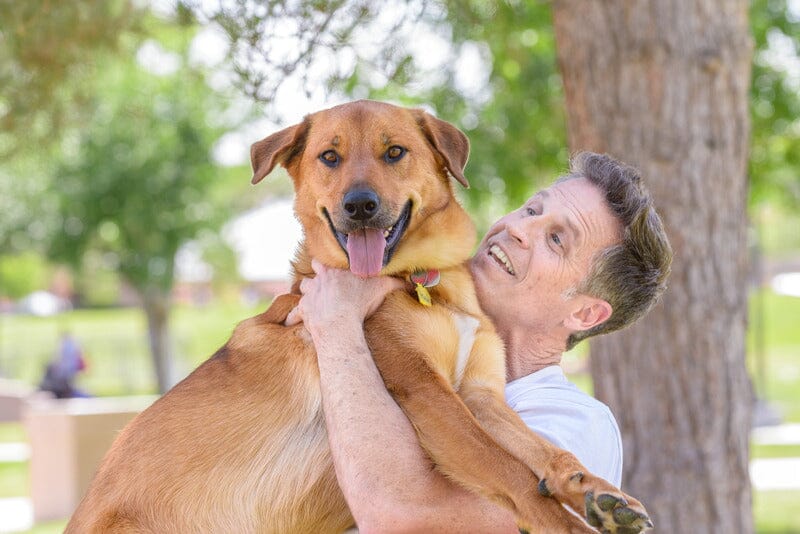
361	204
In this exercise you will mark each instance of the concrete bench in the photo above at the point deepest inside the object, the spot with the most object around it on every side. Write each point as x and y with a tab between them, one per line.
12	397
68	439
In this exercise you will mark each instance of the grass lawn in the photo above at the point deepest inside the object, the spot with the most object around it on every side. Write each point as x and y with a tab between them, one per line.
780	381
115	344
777	512
13	479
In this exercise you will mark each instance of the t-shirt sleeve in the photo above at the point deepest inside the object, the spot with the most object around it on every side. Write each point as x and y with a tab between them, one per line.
589	432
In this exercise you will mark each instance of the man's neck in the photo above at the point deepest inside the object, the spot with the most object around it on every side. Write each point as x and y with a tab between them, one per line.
527	353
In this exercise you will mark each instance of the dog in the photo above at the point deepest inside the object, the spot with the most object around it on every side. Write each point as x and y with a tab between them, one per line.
240	445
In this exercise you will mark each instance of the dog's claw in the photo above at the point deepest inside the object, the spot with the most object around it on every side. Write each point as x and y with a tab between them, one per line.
577	477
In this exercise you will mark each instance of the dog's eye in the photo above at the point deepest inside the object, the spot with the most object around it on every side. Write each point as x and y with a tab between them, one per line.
329	158
394	153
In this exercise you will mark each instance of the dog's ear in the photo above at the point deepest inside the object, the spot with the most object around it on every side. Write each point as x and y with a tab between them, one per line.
448	141
280	147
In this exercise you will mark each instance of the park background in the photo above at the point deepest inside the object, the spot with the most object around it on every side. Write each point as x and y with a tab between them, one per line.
127	218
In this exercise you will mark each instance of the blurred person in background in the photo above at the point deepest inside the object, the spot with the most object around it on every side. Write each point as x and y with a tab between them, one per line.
61	372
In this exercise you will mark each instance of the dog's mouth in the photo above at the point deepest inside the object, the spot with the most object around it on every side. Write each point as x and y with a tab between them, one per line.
370	249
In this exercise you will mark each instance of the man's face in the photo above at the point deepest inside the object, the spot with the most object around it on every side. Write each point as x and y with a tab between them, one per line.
530	259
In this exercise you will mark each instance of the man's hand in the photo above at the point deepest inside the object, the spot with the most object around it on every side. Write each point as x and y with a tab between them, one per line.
337	298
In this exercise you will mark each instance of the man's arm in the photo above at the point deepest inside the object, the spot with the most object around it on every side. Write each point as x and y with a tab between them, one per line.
386	477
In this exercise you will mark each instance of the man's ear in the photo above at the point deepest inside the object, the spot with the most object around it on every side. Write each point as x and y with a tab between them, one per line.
280	147
592	312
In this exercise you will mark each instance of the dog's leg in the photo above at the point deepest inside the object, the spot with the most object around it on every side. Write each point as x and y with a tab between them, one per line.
561	474
457	444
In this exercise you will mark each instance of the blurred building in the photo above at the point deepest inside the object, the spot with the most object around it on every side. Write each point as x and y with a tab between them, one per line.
264	240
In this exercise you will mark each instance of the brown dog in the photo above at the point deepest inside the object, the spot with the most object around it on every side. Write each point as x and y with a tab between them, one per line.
240	445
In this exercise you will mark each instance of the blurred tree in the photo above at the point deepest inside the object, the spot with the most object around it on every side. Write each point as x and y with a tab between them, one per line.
21	274
499	82
775	103
497	78
47	50
496	75
309	42
134	181
664	85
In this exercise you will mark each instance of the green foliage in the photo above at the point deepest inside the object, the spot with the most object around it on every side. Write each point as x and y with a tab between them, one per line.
27	206
133	181
97	285
22	274
47	49
514	118
518	135
275	40
515	121
775	103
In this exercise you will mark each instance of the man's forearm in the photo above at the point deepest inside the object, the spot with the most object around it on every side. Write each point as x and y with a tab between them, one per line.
386	477
371	439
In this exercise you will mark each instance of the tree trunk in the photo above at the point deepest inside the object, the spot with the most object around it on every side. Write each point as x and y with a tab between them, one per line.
664	86
156	306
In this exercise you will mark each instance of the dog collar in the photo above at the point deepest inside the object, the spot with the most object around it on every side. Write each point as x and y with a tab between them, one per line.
422	280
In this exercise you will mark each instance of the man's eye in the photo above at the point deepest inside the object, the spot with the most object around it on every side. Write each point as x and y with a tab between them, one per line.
556	239
531	211
329	158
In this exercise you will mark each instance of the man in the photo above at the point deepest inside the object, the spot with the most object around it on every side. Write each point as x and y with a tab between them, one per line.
586	256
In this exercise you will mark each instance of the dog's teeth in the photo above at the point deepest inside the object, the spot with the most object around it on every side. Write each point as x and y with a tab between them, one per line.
385	234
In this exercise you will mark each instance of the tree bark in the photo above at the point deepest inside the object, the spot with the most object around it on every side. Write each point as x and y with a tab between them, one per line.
156	306
664	86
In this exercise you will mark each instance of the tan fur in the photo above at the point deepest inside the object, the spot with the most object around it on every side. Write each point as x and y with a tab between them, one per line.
240	445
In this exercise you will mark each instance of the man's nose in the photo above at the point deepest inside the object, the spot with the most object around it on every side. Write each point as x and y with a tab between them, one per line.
516	231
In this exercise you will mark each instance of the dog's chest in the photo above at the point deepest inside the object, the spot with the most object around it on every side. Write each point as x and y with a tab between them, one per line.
466	330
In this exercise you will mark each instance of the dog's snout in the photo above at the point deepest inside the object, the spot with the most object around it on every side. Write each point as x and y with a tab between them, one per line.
361	204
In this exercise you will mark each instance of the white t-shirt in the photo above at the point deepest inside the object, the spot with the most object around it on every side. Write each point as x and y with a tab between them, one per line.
556	409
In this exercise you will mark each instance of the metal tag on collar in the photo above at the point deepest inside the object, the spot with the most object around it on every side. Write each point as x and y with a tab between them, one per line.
422	281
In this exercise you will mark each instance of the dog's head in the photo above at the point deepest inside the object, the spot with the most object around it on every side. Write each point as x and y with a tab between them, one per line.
372	187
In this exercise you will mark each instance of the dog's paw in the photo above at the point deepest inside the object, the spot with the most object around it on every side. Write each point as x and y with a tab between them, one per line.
604	506
613	514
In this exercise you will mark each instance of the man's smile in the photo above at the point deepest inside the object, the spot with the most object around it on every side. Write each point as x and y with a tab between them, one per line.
499	256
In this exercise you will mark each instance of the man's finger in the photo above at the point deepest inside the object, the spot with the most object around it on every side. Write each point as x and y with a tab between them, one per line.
295	317
394	283
305	285
318	267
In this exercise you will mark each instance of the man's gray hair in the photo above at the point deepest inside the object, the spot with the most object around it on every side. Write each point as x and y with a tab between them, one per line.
630	275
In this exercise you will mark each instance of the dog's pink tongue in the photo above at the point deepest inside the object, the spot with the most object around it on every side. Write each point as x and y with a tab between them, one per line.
365	248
